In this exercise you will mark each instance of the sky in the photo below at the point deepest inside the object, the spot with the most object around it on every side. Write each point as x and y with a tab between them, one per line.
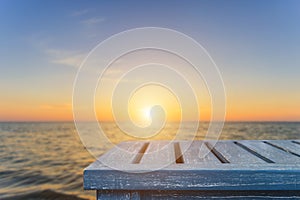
255	44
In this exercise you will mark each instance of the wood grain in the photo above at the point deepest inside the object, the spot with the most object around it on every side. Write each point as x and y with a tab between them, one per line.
232	166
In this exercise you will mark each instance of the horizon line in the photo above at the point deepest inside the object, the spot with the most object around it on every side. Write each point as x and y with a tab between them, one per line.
69	121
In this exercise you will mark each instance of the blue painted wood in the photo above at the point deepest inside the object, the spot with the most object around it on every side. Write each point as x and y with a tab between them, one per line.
159	194
236	195
235	154
192	153
274	154
117	195
285	146
230	166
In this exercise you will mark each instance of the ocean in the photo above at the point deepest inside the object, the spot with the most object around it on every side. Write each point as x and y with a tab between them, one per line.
45	160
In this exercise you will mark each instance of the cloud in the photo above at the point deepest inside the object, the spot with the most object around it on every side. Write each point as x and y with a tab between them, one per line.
73	61
93	21
57	52
77	13
64	57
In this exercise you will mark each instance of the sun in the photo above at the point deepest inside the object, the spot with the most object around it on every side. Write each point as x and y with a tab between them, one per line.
144	117
142	106
147	113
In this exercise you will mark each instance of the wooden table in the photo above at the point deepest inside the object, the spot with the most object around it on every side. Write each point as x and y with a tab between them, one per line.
245	169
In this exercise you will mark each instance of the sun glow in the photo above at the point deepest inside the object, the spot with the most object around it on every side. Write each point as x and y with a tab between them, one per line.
143	102
147	113
142	118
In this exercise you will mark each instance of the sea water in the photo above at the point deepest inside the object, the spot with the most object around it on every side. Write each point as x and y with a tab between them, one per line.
41	160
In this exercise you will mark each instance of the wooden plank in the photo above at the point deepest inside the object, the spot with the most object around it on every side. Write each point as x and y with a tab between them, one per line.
117	195
284	178
236	155
286	146
296	141
192	152
122	154
159	154
274	154
237	195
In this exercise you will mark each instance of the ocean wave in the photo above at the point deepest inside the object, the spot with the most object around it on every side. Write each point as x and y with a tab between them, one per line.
46	160
23	177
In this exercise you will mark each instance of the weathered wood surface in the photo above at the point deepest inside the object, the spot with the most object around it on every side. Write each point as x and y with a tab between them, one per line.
238	166
184	195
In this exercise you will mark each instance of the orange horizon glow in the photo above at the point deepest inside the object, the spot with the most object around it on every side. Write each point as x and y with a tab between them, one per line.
57	113
237	110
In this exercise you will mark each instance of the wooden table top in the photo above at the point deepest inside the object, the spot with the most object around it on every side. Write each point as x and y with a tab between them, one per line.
197	165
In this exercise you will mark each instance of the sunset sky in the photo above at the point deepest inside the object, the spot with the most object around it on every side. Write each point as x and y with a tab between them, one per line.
255	44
